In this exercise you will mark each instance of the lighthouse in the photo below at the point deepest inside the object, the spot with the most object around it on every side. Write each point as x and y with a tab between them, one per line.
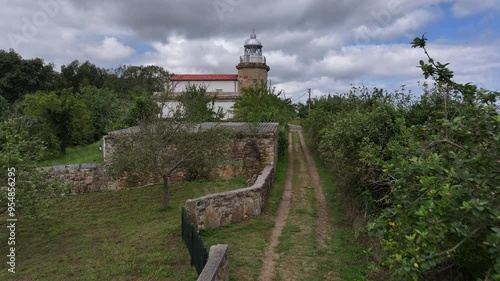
252	69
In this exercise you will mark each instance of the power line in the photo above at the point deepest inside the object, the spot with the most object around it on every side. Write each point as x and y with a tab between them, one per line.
300	96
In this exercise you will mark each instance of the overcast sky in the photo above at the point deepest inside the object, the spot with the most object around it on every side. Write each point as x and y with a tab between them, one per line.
323	45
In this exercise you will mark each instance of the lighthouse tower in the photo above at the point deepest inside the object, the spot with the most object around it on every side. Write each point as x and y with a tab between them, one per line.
252	69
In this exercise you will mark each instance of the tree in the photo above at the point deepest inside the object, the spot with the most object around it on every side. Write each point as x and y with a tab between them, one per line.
77	76
261	104
126	80
4	109
63	114
105	109
145	109
197	105
159	147
19	77
302	110
19	151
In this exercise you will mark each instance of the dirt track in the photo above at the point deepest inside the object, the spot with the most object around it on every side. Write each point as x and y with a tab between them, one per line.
303	194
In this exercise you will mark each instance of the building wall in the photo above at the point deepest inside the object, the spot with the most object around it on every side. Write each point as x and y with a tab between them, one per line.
212	86
227	107
251	73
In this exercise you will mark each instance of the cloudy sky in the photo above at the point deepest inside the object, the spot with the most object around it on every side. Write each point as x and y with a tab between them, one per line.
324	45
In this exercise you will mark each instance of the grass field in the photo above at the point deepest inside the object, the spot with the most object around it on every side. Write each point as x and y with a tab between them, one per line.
77	155
120	235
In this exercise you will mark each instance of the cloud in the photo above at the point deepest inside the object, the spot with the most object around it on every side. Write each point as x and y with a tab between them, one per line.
323	45
463	8
111	50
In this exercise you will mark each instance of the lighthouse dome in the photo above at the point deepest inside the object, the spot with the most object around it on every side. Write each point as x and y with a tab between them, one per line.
253	41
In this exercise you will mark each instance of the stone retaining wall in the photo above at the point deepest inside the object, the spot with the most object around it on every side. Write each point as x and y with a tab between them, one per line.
219	209
85	178
79	178
217	268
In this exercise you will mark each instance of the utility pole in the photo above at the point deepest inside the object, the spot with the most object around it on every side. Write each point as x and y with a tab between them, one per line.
309	101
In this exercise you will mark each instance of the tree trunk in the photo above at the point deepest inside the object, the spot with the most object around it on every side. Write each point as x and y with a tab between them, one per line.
164	201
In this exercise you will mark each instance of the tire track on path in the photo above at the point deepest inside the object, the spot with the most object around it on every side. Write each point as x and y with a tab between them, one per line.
268	262
322	218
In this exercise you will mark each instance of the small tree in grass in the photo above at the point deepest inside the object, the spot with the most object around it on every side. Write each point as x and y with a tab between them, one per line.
160	147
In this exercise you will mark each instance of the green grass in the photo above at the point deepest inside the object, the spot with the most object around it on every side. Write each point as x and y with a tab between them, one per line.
344	255
296	121
285	238
247	240
120	235
77	155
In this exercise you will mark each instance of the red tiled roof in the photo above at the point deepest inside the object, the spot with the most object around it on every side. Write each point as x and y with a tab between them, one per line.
204	77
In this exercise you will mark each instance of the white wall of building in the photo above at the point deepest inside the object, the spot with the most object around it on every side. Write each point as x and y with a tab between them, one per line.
212	86
227	107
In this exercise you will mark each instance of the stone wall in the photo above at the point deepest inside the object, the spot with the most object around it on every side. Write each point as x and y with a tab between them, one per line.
248	154
85	178
223	208
80	178
217	268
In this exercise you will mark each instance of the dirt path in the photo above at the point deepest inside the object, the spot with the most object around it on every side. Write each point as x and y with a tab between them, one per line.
267	270
322	220
291	254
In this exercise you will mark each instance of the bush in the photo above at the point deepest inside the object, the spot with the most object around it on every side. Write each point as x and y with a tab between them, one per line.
427	173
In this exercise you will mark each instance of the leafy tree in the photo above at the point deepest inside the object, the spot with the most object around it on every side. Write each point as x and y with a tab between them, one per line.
144	109
19	151
76	75
66	116
448	184
127	80
4	109
197	105
105	108
261	104
302	110
159	147
427	172
19	76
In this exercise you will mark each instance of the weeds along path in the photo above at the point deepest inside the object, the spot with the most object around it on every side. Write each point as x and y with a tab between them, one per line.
267	270
298	244
322	219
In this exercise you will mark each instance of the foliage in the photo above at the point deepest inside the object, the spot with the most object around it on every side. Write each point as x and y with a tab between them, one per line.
81	154
197	105
18	153
302	110
127	80
78	75
427	172
283	141
261	104
162	147
4	108
63	114
19	77
145	109
106	110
